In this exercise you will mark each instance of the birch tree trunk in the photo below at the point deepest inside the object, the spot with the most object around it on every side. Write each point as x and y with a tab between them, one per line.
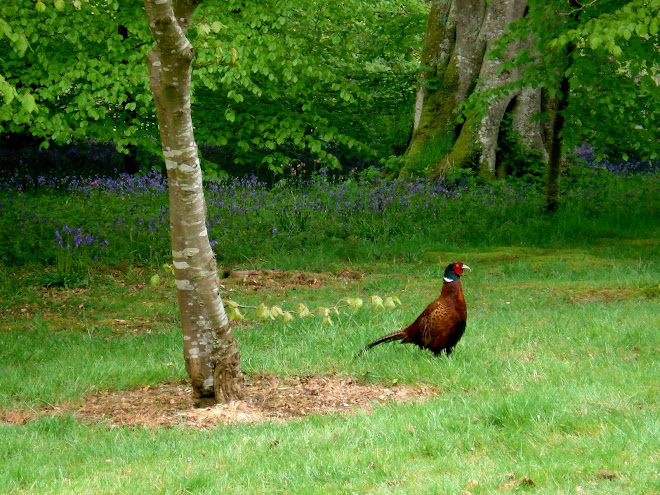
459	34
210	351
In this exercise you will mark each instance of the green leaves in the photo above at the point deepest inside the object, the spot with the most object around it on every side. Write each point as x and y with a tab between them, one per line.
290	78
275	312
86	81
302	80
217	26
613	105
8	92
28	103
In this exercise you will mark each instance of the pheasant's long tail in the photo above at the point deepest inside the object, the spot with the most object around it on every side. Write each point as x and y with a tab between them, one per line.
385	338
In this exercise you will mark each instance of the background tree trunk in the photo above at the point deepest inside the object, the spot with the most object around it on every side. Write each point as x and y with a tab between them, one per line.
210	351
553	171
459	35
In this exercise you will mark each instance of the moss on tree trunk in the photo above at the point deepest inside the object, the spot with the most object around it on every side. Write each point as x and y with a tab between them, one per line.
459	35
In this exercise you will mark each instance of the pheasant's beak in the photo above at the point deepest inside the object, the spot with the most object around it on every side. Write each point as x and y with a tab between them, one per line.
465	267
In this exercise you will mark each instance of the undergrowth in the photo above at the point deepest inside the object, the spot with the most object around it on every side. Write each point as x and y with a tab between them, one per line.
74	223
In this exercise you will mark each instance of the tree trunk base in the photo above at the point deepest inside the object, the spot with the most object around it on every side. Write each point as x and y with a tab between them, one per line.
204	402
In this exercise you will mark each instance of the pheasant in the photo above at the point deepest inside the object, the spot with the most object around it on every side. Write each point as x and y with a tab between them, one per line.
442	323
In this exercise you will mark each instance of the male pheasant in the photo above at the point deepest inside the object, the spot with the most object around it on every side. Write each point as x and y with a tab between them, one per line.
442	323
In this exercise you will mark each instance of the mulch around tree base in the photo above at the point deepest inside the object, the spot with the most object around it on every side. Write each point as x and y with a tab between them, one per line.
267	399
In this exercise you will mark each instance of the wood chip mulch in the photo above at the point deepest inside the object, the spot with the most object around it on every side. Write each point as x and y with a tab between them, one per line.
267	399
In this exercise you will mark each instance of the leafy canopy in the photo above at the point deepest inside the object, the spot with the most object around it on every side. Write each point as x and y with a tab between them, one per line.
272	79
612	67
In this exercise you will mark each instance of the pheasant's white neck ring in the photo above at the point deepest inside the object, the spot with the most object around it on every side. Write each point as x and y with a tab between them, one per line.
447	279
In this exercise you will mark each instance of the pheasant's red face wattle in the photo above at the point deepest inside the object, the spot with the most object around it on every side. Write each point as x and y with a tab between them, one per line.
458	268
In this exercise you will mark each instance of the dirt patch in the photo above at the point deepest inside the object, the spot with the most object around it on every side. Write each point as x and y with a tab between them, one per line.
17	417
273	279
268	399
604	295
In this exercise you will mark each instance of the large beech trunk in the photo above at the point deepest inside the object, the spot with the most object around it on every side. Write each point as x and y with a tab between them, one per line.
459	34
210	351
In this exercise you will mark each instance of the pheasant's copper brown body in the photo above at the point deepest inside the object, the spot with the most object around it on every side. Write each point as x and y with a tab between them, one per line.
442	323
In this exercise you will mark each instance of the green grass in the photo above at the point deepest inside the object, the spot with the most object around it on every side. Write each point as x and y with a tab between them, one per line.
555	379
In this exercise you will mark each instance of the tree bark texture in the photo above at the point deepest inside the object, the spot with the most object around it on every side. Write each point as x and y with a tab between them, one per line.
459	34
210	351
553	170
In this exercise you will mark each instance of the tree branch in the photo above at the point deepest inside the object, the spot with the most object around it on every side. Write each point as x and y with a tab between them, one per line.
184	11
169	25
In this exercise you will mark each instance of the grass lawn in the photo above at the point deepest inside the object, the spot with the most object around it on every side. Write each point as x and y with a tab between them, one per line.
553	388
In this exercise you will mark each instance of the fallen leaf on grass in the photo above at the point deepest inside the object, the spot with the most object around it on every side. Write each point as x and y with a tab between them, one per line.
524	481
607	475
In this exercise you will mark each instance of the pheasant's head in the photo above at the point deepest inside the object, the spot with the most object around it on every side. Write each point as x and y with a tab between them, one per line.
453	272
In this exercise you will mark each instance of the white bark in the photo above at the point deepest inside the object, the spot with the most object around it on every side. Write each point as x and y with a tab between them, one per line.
210	351
419	101
499	13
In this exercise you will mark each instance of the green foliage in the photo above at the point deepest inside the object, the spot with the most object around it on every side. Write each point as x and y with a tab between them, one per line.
86	73
271	80
297	79
612	69
126	221
10	97
514	158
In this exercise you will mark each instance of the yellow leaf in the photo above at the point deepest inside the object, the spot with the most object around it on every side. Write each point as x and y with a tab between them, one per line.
263	313
303	311
354	302
235	315
389	303
276	311
377	302
322	311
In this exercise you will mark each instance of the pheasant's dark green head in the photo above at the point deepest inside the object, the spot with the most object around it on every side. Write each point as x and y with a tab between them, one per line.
453	272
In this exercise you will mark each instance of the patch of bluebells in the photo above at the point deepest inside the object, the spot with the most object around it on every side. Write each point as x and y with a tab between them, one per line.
72	239
322	207
153	182
129	215
587	153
